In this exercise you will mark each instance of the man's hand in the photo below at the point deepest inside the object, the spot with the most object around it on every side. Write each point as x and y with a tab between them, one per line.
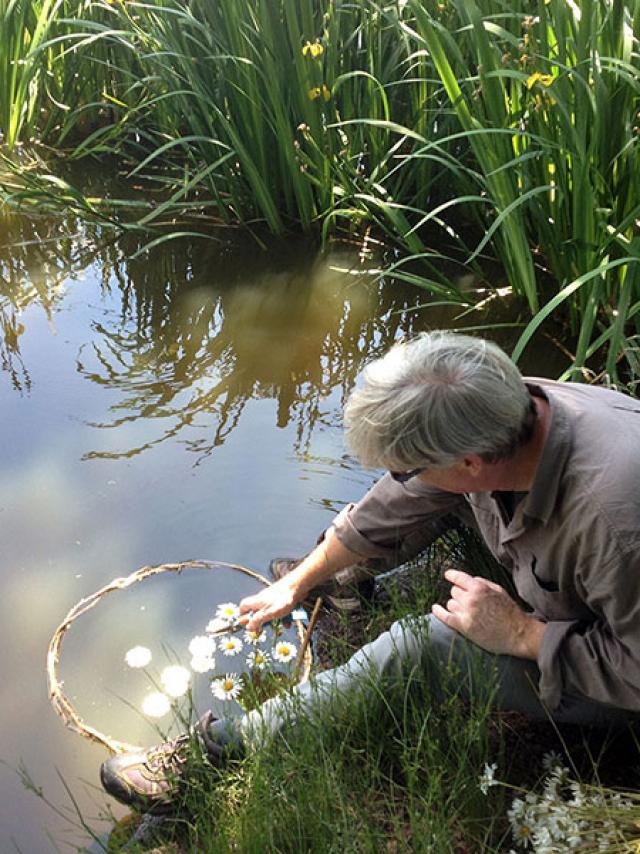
268	604
280	598
485	613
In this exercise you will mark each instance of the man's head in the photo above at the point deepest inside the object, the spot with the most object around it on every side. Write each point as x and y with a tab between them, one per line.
436	399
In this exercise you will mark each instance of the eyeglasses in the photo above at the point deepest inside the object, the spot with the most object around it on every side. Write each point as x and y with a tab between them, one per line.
404	476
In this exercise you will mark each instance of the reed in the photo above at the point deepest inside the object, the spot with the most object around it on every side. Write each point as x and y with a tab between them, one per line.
548	98
455	130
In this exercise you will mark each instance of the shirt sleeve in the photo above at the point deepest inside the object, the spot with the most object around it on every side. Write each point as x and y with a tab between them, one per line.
391	513
598	658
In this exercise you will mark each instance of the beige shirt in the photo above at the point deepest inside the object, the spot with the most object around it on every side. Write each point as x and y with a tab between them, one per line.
572	546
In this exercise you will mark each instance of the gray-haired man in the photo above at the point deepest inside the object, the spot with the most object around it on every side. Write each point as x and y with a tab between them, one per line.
547	473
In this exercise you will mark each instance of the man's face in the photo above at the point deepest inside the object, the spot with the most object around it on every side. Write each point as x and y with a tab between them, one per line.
471	474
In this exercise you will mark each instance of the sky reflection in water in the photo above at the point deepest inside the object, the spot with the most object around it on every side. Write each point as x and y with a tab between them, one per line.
182	405
179	406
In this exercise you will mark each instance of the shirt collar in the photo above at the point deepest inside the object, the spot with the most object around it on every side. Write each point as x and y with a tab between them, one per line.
543	494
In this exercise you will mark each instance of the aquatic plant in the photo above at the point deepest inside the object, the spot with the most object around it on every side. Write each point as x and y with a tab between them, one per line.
548	100
455	130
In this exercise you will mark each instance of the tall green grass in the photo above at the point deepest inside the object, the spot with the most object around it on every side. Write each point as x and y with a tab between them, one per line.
548	97
459	129
384	771
385	768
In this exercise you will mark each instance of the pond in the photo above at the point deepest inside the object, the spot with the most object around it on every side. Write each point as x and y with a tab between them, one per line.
176	405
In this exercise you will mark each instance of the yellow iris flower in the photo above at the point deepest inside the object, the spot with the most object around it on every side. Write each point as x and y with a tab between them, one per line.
314	50
319	91
538	77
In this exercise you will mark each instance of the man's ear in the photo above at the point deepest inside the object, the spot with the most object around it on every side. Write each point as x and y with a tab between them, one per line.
473	464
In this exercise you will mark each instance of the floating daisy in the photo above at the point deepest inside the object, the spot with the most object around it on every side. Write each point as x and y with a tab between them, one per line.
284	651
156	705
230	645
202	646
228	611
255	638
258	659
203	663
227	687
175	680
138	656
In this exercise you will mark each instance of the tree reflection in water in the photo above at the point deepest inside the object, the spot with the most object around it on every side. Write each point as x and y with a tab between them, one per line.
204	328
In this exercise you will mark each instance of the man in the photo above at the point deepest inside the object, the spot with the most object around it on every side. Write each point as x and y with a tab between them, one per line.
547	473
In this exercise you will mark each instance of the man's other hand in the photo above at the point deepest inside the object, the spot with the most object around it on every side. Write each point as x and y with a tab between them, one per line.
485	614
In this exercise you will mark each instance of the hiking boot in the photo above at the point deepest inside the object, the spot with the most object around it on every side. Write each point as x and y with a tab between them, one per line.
347	596
147	778
151	779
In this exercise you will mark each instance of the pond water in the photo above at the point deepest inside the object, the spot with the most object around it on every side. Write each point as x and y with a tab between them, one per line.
179	405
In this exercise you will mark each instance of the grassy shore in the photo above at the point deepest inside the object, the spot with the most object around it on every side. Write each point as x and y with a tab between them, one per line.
391	771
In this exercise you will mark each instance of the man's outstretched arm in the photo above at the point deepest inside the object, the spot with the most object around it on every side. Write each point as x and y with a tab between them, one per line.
280	598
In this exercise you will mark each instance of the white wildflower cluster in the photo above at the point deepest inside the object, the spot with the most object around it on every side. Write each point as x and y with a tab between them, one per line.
176	680
257	658
566	815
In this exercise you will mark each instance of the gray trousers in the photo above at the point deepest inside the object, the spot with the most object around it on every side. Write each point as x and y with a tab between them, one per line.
423	645
420	644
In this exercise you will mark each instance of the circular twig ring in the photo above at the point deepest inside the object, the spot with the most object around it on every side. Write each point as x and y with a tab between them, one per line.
61	702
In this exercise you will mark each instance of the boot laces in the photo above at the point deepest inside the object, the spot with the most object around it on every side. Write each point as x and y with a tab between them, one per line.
170	756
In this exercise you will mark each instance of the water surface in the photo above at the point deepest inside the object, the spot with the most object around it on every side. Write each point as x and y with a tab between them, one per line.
183	404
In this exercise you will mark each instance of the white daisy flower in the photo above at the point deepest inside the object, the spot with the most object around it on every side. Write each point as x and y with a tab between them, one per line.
230	645
202	646
227	687
228	611
258	659
487	778
203	663
175	680
284	651
254	638
551	760
156	705
138	656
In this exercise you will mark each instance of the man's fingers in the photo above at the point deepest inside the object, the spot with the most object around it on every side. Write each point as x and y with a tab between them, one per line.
440	612
465	582
491	584
249	604
256	621
458	593
457	576
446	616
